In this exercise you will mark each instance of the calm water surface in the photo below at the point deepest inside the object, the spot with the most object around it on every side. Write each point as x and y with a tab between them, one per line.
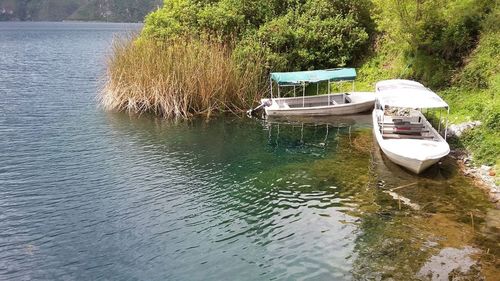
90	195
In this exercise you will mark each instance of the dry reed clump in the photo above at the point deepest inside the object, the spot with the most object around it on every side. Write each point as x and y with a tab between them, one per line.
179	78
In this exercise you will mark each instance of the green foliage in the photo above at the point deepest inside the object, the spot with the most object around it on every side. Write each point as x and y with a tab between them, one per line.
317	37
174	19
475	96
483	105
291	34
484	144
221	19
482	66
435	36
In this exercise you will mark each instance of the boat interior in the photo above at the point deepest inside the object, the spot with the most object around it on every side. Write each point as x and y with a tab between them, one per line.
314	101
409	124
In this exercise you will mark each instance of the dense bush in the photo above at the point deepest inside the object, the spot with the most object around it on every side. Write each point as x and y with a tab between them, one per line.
292	34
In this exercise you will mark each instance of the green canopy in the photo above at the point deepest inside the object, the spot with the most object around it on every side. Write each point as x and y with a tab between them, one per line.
314	76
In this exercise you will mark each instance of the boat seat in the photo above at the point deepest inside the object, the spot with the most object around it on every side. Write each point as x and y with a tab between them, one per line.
404	124
403	127
404	130
404	136
285	105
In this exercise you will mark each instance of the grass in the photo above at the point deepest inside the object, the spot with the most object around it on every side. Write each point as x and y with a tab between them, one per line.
475	97
471	105
179	78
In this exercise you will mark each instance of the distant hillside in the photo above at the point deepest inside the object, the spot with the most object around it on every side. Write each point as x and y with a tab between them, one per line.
85	10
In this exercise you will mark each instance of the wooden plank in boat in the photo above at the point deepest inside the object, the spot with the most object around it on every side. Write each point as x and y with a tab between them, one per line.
415	125
404	131
402	136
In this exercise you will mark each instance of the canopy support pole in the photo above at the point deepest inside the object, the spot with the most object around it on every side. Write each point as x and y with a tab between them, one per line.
293	90
279	94
382	121
446	129
317	88
271	80
329	92
352	86
303	93
439	125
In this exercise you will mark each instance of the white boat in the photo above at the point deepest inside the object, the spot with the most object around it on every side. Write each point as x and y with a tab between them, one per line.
317	105
320	105
402	131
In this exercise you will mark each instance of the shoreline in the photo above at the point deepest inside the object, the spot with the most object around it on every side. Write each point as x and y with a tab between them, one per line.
481	177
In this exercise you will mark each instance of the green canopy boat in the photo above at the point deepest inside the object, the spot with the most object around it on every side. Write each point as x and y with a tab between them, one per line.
319	104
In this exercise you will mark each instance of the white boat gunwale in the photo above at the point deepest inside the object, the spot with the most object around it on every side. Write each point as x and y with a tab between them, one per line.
319	106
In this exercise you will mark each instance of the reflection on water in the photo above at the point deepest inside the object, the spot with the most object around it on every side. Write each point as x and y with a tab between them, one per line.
86	194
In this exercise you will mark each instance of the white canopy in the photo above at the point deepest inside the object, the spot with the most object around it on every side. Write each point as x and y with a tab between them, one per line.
407	94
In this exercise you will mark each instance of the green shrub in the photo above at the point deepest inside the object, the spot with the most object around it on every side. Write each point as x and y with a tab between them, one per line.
221	19
294	34
175	18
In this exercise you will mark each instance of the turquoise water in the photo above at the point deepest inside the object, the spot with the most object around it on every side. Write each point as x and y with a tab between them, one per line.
93	195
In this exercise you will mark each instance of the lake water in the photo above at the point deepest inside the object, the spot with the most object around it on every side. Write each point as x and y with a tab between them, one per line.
92	195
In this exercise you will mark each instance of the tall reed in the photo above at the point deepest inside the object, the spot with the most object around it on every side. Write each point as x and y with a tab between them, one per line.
179	78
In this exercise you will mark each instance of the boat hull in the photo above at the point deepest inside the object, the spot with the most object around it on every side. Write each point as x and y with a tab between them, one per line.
402	152
360	102
414	165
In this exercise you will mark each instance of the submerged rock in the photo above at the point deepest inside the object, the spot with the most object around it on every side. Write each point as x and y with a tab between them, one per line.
403	200
451	264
